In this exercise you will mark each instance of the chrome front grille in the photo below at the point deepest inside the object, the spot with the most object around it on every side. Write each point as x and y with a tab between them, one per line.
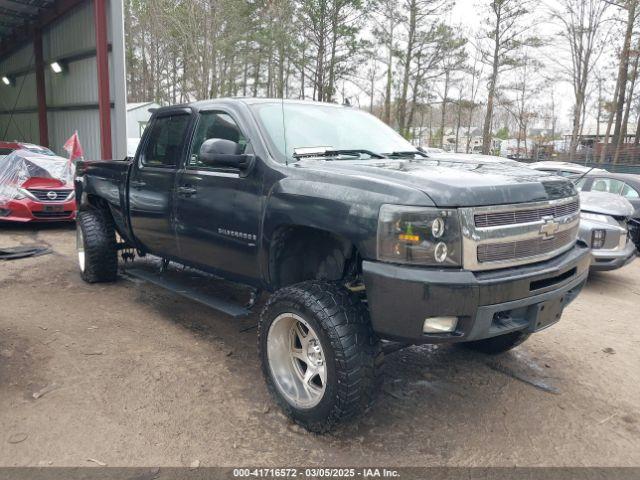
514	217
499	252
44	195
509	235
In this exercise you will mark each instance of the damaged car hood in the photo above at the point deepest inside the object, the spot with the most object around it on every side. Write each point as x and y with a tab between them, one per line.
605	204
453	180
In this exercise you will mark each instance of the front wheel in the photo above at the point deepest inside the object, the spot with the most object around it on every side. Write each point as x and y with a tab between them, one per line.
319	355
96	246
499	344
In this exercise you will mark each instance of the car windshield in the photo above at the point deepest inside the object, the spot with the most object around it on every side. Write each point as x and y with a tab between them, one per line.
291	126
24	164
39	150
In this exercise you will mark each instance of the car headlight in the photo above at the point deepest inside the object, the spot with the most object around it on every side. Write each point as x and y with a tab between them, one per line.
419	235
596	217
22	193
597	238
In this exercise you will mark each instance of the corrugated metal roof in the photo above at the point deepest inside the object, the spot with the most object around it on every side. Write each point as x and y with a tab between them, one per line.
15	15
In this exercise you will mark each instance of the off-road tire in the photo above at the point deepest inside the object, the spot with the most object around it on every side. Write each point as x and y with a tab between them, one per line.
499	344
353	354
100	249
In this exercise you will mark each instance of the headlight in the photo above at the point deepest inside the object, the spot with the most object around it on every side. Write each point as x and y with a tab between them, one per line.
419	235
22	193
594	216
597	238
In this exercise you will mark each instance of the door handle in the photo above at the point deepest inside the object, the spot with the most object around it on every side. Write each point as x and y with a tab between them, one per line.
186	191
138	183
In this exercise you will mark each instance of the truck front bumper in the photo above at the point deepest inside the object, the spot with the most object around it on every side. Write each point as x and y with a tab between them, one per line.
486	304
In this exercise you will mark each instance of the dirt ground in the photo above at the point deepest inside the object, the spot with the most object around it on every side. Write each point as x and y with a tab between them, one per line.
131	375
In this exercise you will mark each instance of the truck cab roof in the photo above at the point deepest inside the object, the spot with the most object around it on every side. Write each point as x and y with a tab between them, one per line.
205	104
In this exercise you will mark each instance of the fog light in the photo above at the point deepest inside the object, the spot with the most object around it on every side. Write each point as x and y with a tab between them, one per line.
597	238
439	324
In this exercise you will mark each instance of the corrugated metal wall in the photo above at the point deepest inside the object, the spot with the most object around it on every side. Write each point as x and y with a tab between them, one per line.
20	96
20	59
77	86
75	90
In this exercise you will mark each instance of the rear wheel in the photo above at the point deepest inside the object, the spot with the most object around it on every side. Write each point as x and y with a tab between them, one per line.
318	353
96	246
499	344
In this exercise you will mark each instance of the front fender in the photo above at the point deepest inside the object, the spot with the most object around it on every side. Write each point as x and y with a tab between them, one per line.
345	210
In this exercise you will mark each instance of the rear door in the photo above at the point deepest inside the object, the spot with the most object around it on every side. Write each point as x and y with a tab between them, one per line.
152	183
218	209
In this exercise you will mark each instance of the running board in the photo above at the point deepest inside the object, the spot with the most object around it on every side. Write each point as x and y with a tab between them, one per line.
174	286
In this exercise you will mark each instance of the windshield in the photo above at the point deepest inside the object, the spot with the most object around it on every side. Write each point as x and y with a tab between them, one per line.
39	150
309	125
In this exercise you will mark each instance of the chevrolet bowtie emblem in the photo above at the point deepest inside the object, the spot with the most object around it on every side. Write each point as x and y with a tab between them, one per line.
549	227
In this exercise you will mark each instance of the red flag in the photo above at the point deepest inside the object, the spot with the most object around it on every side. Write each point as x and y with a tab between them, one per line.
73	147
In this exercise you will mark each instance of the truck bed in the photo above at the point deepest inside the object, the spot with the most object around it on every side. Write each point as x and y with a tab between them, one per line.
106	180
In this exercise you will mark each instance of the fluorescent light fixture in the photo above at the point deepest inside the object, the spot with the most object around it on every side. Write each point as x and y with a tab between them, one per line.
57	67
7	81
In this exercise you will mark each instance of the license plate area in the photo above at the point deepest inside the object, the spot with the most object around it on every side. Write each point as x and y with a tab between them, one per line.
53	208
547	313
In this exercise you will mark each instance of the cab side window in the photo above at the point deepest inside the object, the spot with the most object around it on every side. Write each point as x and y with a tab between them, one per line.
214	125
166	139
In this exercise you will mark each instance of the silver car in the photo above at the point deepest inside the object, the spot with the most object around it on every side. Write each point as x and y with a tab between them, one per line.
564	169
604	227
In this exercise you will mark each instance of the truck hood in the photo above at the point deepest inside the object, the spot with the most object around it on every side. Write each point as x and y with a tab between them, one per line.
605	204
455	180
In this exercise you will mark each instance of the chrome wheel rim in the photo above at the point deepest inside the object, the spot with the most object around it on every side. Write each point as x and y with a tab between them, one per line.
80	247
296	361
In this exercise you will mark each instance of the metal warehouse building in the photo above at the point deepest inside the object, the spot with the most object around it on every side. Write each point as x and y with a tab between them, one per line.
61	70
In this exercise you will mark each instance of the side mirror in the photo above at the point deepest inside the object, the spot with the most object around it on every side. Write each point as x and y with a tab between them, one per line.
219	152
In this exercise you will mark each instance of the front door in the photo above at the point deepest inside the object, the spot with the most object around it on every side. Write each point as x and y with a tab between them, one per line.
218	209
152	184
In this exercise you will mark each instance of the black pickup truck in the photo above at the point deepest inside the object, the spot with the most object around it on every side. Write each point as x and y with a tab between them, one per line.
360	238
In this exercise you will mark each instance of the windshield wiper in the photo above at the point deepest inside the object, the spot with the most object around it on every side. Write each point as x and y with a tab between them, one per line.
408	153
331	152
